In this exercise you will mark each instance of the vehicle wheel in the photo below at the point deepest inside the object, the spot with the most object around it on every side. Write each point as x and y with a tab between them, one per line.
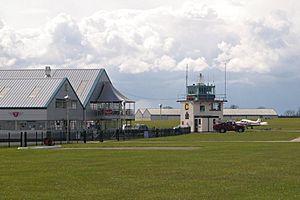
240	130
222	130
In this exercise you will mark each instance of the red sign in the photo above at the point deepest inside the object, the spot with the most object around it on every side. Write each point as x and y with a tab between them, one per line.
15	114
108	111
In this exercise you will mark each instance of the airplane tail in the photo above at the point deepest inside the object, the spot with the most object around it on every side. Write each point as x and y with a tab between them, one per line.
258	120
264	123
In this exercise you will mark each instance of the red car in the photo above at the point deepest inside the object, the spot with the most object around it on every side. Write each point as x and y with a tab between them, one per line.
229	126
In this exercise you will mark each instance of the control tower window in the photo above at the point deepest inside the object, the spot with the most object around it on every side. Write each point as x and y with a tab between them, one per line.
216	106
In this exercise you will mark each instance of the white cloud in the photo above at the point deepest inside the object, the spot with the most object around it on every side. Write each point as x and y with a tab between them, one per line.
161	39
262	47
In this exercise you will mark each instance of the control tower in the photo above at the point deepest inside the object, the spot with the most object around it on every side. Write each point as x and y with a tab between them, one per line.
201	109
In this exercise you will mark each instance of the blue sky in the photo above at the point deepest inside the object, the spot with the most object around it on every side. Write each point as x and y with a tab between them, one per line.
146	46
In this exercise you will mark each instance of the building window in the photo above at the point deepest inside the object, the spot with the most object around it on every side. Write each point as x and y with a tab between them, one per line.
202	108
216	106
74	104
199	121
187	116
60	103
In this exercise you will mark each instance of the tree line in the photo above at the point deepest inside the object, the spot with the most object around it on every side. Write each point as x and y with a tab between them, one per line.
292	113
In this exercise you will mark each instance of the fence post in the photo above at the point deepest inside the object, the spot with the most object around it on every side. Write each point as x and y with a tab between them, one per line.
60	136
36	138
25	139
21	139
117	135
8	139
77	138
42	138
84	136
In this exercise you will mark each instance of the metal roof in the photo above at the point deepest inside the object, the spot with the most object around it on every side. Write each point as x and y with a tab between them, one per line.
249	112
156	111
28	93
111	94
77	77
83	81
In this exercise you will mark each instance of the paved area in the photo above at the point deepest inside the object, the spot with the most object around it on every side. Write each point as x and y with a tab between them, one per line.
133	148
296	140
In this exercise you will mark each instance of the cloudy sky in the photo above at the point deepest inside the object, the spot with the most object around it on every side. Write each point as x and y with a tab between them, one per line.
145	45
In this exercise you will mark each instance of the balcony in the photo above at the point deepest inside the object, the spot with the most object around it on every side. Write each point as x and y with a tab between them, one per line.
112	111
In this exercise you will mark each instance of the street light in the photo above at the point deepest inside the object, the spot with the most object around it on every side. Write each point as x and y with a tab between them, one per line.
67	110
160	106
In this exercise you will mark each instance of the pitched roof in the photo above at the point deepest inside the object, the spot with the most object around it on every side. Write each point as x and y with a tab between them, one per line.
142	110
111	94
156	111
28	93
82	80
253	112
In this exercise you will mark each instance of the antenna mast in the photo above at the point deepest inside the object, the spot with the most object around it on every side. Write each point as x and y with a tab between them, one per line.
225	81
186	78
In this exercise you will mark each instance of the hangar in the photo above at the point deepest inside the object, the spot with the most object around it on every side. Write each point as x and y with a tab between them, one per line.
249	113
149	114
41	99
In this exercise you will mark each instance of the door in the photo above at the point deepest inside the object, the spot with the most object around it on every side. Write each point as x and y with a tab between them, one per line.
196	125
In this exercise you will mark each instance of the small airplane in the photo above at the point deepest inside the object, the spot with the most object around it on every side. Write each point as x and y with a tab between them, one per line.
250	123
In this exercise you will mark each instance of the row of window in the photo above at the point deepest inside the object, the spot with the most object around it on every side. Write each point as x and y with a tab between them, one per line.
216	106
199	121
62	103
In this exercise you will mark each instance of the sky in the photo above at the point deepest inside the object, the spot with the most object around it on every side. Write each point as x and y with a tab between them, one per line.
146	45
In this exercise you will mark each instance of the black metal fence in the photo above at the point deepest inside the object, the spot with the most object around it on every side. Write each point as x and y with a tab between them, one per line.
24	138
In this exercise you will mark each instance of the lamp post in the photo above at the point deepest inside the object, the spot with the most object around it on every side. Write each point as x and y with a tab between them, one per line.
67	112
160	106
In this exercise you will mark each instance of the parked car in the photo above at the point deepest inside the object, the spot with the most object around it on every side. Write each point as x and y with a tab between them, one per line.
229	126
141	127
127	127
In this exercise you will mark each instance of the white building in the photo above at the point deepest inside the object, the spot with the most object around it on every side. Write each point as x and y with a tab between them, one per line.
201	109
149	114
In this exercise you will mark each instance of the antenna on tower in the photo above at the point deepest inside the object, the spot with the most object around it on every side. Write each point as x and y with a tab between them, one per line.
225	81
186	78
201	79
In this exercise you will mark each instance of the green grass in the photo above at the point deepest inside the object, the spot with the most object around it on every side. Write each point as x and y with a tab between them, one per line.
284	123
159	123
221	168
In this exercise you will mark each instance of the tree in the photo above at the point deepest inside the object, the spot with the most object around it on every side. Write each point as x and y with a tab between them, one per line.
234	106
261	107
298	112
290	113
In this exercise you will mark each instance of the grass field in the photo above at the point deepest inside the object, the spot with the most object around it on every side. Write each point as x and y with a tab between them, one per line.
223	166
160	123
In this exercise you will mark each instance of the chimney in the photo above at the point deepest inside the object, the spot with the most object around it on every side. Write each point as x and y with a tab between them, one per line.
47	72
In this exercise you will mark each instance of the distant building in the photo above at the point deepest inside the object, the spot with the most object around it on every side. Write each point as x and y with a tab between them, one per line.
42	99
139	114
228	114
149	114
249	113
